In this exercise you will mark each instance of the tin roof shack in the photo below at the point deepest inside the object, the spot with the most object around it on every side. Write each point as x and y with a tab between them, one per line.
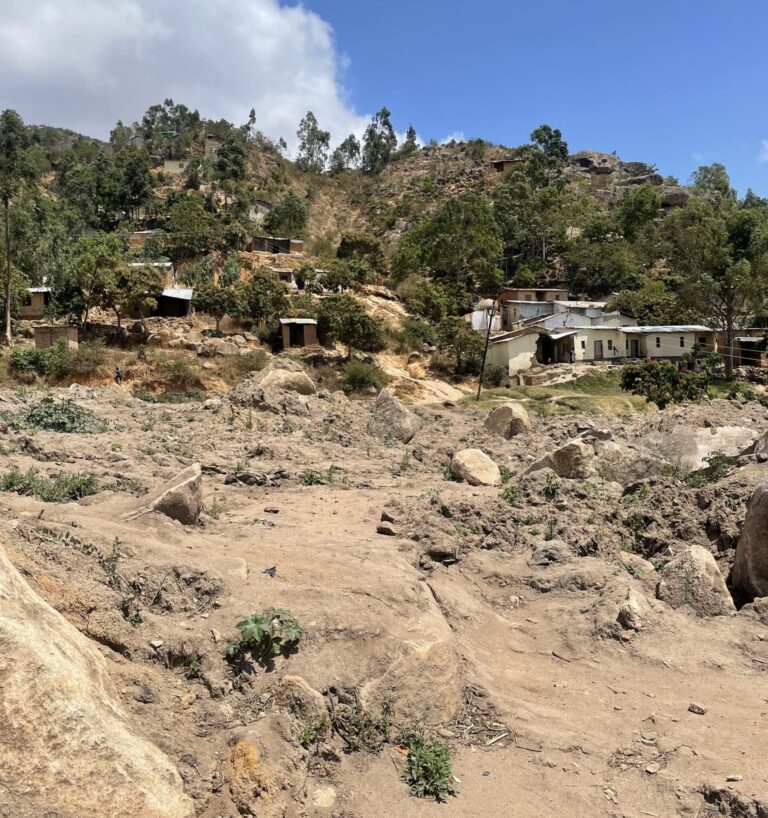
505	164
276	244
515	351
749	346
482	313
174	302
35	301
298	332
49	336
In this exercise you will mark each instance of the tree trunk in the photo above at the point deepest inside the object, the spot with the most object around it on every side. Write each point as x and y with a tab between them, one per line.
729	344
7	324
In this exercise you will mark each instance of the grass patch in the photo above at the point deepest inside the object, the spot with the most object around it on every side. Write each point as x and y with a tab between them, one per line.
428	772
60	489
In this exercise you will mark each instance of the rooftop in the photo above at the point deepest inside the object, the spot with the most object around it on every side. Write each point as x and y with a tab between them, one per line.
298	321
184	293
667	328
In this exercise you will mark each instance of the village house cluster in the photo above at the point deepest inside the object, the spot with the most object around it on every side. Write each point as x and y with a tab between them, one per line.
531	326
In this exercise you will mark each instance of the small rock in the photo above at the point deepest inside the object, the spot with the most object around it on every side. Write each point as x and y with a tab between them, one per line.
653	768
386	517
697	709
734	777
271	510
156	643
386	529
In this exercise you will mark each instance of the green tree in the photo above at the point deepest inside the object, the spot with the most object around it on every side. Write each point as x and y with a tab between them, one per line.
346	155
379	143
410	145
313	144
712	182
723	261
549	143
456	338
132	179
459	244
346	321
193	231
95	271
263	296
231	159
288	217
140	286
14	171
363	247
638	207
219	299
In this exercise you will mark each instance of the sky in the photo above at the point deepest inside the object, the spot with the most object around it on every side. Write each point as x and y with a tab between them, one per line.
677	83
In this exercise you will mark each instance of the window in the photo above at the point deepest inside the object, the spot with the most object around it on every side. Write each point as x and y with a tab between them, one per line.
658	342
583	344
682	341
703	341
626	343
610	344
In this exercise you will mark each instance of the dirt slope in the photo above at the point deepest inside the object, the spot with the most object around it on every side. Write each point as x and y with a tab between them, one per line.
493	624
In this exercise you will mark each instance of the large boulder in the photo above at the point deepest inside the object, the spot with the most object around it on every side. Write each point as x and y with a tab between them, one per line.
66	748
750	569
280	387
475	467
625	463
507	420
690	447
574	461
180	498
693	579
390	418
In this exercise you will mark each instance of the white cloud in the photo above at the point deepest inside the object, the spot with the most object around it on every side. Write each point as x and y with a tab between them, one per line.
456	136
762	157
84	64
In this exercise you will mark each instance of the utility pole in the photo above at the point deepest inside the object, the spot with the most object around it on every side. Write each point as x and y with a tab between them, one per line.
485	350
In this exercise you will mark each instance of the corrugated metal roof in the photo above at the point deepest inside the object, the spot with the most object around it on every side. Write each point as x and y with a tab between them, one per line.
556	336
182	293
38	289
298	321
667	328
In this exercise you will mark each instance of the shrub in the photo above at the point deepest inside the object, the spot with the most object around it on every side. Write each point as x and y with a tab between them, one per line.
265	636
510	493
61	489
428	771
359	730
718	466
313	731
494	375
662	383
59	361
360	377
310	477
551	487
414	334
66	417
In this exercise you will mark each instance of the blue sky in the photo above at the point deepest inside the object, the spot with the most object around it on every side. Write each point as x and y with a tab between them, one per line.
678	83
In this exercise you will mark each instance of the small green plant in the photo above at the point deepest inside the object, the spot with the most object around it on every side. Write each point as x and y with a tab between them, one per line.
265	636
215	510
510	493
314	731
551	487
65	417
359	730
506	474
550	530
719	465
310	477
428	771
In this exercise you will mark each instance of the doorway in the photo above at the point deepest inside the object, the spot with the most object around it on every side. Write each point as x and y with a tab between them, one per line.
598	350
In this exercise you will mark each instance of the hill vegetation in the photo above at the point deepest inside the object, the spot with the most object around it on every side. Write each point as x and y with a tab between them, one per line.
440	223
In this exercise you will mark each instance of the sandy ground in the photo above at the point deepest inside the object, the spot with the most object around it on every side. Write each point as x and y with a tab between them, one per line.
516	664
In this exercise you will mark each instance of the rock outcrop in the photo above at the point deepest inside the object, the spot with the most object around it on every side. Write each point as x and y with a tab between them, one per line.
690	447
507	420
280	387
692	578
391	418
573	461
64	740
475	467
750	569
180	498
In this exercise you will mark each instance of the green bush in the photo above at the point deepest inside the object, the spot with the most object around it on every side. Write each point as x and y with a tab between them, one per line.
494	375
414	334
66	417
59	361
510	493
265	636
360	377
428	772
662	383
61	489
